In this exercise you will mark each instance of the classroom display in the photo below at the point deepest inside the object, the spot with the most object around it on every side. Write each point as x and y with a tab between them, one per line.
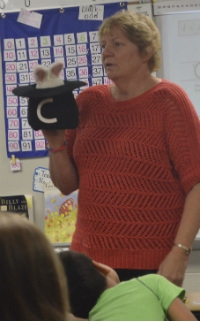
51	103
19	204
60	214
69	35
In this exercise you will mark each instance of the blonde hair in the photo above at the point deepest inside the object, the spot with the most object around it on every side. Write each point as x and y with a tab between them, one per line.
140	30
33	285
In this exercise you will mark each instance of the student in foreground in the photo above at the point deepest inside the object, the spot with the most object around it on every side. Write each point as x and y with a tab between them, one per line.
33	285
96	293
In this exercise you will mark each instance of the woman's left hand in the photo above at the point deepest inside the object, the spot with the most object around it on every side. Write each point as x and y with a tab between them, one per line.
174	265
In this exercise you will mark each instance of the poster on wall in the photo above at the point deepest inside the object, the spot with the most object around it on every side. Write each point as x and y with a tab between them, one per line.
60	214
18	204
42	37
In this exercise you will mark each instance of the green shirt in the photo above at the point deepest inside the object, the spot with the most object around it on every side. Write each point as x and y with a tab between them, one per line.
145	299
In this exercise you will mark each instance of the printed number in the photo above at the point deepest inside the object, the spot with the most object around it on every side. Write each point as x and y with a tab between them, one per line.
9	44
23	101
12	101
70	50
82	37
71	73
69	39
25	125
12	112
20	43
97	81
107	81
32	64
9	55
46	62
97	71
27	134
21	54
13	135
32	42
83	72
45	53
58	40
96	59
24	78
32	77
13	124
82	60
33	54
11	67
38	134
93	36
26	146
23	111
71	61
45	41
81	49
9	89
13	146
95	48
10	78
39	145
58	51
22	66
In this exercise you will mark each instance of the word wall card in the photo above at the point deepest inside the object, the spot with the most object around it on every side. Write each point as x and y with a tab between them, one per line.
69	35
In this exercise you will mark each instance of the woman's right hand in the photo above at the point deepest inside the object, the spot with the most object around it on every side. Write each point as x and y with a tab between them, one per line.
55	138
62	169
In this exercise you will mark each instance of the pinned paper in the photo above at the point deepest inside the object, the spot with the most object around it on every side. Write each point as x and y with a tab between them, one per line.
142	8
41	176
91	12
15	164
30	18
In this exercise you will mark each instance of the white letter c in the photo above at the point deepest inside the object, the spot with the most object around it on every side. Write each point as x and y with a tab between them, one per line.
44	119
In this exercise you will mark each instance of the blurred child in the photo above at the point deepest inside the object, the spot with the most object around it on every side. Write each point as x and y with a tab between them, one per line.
33	285
96	293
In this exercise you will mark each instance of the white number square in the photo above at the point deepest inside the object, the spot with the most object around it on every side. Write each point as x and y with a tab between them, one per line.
32	42
20	43
58	40
69	39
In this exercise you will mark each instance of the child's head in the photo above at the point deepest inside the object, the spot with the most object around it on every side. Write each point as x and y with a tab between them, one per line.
87	279
32	280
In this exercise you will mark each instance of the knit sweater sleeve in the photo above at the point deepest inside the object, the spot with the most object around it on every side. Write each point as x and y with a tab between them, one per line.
182	129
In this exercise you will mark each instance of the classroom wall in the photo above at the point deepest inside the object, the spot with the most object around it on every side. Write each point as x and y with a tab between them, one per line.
13	183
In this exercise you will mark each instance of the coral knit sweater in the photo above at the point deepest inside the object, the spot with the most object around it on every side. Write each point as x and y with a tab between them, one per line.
137	160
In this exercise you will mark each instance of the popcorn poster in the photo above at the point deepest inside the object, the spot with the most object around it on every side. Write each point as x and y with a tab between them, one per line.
60	214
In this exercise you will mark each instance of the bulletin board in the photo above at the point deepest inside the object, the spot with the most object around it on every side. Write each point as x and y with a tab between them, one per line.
69	35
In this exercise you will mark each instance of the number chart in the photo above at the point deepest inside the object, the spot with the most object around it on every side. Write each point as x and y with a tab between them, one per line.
69	35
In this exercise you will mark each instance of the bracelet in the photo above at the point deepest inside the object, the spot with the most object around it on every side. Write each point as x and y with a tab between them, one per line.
185	248
56	149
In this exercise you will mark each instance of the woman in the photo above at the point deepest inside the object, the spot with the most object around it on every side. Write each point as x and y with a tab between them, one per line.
32	281
134	157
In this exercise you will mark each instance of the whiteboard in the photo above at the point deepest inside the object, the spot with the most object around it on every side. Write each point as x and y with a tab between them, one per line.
180	35
181	52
